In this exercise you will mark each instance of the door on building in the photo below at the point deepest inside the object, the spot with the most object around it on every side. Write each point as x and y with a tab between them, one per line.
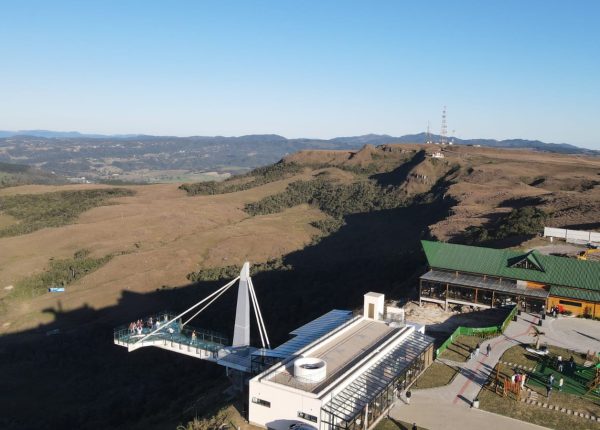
371	310
533	305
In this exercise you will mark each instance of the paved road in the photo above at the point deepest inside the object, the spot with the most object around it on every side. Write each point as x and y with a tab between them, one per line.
434	414
449	407
574	333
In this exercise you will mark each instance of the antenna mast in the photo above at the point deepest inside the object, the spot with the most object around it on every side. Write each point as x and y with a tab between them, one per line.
444	129
428	136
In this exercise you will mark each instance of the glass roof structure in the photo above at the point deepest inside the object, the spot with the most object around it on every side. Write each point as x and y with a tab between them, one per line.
308	333
474	281
352	399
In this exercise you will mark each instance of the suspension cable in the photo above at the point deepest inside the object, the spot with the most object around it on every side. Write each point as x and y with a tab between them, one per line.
207	305
229	284
260	313
254	306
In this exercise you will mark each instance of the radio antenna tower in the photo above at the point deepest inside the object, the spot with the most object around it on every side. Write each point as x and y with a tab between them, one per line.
428	135
444	129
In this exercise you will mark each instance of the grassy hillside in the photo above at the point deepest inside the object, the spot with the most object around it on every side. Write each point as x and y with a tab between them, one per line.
371	207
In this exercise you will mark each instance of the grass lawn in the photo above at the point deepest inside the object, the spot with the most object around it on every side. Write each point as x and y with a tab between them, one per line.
461	348
490	401
519	355
493	402
574	382
436	375
392	424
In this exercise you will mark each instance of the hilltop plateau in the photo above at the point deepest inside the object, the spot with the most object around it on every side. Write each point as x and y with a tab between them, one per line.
321	228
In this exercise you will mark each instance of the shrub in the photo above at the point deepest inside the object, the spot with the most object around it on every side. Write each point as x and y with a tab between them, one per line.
528	220
522	221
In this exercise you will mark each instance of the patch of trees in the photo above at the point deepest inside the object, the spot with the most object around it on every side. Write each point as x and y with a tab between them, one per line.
37	211
59	273
256	177
525	221
233	271
336	200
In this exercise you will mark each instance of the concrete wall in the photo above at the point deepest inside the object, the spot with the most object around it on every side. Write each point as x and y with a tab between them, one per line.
285	405
577	236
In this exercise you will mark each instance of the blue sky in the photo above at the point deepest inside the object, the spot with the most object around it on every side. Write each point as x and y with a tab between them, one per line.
505	69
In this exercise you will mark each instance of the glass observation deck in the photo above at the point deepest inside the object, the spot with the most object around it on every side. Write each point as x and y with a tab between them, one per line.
172	336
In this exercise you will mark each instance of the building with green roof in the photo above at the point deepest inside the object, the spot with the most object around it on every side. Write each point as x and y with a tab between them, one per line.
486	277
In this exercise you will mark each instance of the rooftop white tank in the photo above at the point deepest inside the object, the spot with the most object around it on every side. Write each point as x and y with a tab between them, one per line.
310	370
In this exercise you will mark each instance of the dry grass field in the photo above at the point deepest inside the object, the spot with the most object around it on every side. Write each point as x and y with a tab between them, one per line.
165	235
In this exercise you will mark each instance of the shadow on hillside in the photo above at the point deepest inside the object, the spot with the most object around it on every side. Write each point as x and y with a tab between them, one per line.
521	202
80	379
399	175
585	226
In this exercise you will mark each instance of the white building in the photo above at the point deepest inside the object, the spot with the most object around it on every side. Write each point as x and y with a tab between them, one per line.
339	371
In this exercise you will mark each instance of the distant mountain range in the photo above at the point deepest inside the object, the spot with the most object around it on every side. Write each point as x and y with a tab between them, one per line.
60	134
342	142
100	157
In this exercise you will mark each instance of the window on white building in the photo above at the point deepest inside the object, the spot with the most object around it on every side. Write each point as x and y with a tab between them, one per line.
306	416
261	402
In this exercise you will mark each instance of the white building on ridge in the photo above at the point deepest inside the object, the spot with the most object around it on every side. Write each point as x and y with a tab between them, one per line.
347	378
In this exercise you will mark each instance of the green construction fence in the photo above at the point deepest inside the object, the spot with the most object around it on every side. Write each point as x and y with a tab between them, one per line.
477	331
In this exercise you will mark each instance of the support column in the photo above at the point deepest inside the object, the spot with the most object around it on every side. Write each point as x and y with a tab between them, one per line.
446	308
241	332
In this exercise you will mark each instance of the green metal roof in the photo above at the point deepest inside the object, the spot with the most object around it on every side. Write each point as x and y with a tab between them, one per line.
574	293
554	270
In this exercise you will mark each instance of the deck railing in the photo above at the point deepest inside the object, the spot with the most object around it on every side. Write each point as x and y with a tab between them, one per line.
172	334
